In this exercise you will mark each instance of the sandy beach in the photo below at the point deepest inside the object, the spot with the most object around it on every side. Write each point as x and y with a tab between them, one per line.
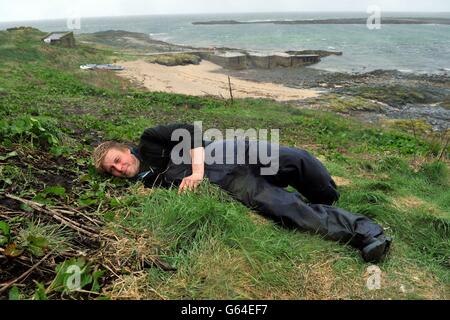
206	79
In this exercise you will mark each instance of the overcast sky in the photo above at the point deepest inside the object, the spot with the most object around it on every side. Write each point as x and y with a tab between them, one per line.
17	10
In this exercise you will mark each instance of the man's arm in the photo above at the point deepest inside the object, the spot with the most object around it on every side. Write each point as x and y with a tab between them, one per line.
198	170
162	135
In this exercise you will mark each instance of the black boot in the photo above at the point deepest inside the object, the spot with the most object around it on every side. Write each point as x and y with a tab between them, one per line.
377	249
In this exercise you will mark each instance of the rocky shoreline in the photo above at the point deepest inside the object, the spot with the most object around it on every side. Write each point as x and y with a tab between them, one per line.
395	95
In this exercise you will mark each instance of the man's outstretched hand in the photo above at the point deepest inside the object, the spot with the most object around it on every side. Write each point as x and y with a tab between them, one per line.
190	183
198	169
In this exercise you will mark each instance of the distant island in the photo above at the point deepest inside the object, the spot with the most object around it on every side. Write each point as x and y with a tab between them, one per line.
445	21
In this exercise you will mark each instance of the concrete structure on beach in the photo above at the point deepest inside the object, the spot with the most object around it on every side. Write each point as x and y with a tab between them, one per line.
230	60
259	60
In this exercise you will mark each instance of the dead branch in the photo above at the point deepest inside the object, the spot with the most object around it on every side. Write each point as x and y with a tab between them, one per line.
4	216
96	222
24	275
231	91
64	220
157	262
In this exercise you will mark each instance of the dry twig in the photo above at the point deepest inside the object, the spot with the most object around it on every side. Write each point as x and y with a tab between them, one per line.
24	275
89	231
231	91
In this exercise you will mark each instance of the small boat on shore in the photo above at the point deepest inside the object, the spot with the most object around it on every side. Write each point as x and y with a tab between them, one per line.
101	67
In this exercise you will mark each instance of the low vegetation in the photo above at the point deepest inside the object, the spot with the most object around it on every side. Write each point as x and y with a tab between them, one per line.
175	59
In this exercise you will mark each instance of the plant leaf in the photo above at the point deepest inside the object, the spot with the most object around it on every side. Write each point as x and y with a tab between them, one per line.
55	190
37	245
86	202
69	272
4	233
26	208
14	294
41	198
96	275
12	251
40	294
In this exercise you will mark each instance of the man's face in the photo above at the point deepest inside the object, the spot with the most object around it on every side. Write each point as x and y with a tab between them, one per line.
121	163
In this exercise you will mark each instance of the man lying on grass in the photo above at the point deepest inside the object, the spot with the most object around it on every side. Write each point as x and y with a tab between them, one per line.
240	167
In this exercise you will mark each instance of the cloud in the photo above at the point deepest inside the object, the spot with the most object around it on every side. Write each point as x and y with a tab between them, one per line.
53	9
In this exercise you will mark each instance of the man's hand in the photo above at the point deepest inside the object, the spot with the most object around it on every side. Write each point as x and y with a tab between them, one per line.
190	183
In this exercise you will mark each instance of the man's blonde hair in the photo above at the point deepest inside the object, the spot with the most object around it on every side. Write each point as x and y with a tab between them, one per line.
102	149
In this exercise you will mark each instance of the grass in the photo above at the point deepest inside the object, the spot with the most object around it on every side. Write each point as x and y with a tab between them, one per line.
174	59
53	113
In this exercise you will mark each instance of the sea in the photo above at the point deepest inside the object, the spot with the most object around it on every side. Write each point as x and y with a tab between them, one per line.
407	48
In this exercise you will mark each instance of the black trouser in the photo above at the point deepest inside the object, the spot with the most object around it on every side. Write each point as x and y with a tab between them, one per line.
266	194
299	169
